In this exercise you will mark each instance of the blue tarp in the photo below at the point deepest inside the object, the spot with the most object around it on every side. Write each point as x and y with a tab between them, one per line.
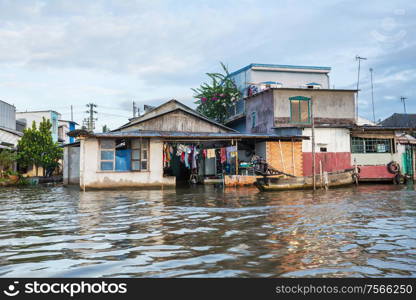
123	158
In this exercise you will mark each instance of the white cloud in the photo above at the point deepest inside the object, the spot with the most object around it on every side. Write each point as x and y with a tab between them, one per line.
112	52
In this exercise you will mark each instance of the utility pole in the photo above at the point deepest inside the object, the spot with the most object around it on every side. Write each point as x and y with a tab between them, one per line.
359	58
372	95
91	120
72	114
134	109
403	100
313	146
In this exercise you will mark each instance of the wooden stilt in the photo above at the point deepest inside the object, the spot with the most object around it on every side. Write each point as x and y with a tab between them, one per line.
313	146
293	158
281	156
236	157
321	174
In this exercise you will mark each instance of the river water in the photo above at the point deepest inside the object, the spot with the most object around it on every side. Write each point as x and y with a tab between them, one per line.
207	231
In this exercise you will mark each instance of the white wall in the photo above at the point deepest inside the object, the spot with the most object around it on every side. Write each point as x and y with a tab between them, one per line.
334	139
374	159
326	104
290	79
29	117
92	177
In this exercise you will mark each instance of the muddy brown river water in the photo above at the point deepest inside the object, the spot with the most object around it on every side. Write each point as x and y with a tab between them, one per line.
206	231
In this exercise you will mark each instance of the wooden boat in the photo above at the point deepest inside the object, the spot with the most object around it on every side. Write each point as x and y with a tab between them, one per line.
333	179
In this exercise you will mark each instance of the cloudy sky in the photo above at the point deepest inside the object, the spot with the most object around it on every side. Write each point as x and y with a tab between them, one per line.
57	53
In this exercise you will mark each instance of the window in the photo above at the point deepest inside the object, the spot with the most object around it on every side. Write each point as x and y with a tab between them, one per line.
107	155
124	154
253	119
371	145
139	154
323	149
299	109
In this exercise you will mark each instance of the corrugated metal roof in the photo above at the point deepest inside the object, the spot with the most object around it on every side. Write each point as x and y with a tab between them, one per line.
191	135
400	120
15	132
279	67
378	127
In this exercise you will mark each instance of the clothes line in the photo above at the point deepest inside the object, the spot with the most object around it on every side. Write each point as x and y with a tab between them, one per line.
199	141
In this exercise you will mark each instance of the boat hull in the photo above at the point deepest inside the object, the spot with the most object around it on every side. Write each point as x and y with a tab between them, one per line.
340	178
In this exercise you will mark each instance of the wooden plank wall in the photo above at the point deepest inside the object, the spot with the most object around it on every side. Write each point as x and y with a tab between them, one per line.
177	121
286	156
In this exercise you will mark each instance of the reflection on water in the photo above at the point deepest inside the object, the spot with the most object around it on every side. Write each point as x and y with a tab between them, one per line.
208	232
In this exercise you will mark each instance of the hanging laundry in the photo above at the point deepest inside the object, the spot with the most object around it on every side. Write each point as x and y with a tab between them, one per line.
223	155
166	155
188	156
194	158
204	153
231	152
211	153
181	149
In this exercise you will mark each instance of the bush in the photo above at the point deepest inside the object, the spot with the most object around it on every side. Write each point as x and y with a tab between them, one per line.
7	158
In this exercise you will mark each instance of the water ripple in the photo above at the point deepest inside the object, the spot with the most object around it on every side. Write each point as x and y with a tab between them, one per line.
369	231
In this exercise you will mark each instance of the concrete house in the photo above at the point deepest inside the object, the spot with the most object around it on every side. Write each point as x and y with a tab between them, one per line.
168	145
287	111
29	116
255	78
277	100
65	126
375	148
9	135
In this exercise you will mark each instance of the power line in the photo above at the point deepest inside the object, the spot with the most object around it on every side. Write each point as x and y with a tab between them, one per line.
116	115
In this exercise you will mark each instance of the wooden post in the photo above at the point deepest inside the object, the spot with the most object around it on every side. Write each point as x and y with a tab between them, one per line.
355	172
236	157
293	158
326	180
313	146
321	174
281	156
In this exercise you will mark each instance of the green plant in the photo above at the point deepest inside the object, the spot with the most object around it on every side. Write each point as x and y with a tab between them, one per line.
36	148
7	158
216	99
23	181
11	173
